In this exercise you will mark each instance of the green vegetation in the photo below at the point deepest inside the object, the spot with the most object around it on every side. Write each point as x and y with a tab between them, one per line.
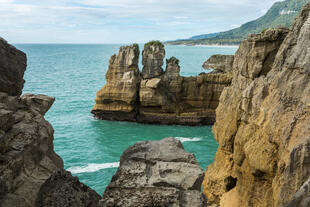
135	45
280	14
153	42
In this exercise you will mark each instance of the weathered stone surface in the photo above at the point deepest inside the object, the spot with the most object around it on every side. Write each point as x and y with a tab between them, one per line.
27	157
153	59
118	98
262	124
157	173
64	190
13	63
165	99
40	103
219	63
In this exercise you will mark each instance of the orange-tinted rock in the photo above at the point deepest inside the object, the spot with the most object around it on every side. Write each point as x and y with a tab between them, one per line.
165	99
263	123
117	100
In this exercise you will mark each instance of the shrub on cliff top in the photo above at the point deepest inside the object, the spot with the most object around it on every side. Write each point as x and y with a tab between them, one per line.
153	42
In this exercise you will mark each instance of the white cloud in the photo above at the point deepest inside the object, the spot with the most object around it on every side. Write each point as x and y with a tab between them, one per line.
121	20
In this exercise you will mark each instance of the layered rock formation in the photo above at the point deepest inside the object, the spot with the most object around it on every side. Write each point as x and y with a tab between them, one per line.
263	123
158	173
117	100
27	158
156	96
153	56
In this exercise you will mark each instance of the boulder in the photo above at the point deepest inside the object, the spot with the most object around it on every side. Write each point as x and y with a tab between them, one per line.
219	63
64	190
157	173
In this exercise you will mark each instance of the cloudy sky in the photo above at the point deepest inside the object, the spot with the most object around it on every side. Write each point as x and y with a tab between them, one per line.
121	21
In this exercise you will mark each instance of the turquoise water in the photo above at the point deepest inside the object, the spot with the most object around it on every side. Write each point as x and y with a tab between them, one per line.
90	148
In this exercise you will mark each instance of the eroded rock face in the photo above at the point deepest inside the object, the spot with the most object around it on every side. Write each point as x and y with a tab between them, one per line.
262	123
153	59
164	98
157	173
13	64
219	63
27	157
64	190
118	98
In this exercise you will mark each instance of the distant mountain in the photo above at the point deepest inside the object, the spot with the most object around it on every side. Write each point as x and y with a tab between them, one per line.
204	36
280	14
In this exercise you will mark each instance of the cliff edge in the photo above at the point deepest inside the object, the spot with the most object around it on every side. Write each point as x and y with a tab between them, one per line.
31	173
263	121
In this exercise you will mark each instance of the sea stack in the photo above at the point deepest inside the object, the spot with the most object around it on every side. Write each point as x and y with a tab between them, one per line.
155	96
118	99
156	173
153	59
263	123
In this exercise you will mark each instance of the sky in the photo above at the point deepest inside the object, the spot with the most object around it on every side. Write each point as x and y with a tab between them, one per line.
121	21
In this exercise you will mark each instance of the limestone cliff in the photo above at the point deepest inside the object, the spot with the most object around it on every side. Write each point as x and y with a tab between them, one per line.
263	122
27	158
158	173
13	64
117	100
153	56
157	96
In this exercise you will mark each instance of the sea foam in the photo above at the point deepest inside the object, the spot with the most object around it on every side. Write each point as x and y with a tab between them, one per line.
184	139
92	167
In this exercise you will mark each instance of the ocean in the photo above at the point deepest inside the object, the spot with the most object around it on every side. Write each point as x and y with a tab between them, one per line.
91	148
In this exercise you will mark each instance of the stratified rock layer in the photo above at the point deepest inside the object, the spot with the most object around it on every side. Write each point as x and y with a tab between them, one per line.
263	123
164	98
157	173
13	64
153	59
117	100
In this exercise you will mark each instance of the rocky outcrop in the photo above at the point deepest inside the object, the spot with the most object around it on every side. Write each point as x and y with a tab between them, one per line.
262	124
160	97
13	64
157	173
62	189
153	59
219	63
118	99
28	163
